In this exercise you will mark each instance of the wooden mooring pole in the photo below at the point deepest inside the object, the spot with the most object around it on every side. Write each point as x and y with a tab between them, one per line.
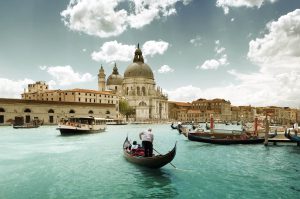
267	131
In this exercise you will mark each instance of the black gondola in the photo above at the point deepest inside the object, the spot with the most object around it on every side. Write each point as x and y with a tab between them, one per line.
224	141
293	138
153	162
173	127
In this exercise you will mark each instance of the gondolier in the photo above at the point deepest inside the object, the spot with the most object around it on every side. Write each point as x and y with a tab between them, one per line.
147	142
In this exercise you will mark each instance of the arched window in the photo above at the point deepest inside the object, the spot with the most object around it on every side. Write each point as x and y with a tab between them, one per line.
71	111
143	91
91	112
142	104
107	112
2	109
127	89
27	110
138	92
51	111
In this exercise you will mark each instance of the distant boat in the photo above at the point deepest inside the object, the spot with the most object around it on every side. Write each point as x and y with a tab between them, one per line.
19	123
153	162
115	122
173	127
82	125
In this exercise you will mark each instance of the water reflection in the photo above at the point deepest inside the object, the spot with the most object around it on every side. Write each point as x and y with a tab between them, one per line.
154	184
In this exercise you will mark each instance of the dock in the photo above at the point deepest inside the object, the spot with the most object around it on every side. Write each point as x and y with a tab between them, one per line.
280	140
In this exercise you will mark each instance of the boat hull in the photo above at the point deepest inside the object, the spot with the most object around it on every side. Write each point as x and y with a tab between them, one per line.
154	162
225	141
66	132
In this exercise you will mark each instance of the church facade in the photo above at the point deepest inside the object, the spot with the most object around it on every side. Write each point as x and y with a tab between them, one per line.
138	87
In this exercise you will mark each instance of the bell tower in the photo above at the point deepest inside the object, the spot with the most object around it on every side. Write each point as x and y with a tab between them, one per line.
101	79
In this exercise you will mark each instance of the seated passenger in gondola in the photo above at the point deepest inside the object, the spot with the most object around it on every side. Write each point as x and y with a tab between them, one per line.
136	149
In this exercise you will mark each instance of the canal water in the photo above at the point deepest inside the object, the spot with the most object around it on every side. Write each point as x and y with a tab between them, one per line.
39	163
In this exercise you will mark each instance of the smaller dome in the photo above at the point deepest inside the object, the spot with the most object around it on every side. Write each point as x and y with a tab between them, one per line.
115	78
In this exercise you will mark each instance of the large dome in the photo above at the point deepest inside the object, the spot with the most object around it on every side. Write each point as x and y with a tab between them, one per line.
138	68
115	78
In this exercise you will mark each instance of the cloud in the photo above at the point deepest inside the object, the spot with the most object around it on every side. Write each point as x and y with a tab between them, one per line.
220	60
155	47
13	88
113	51
209	64
65	75
196	41
165	69
226	4
279	48
43	67
277	80
105	18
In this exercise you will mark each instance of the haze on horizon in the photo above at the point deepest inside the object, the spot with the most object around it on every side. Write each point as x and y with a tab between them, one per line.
239	50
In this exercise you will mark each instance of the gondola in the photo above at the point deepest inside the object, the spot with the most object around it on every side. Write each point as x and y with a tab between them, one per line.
153	162
224	141
173	127
293	138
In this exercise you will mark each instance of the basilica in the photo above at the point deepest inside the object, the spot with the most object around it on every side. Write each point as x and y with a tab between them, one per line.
138	87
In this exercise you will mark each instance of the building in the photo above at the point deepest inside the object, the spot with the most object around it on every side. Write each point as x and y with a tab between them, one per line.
51	112
220	109
178	111
138	87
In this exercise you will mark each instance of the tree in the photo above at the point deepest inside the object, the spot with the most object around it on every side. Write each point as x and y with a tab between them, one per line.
125	109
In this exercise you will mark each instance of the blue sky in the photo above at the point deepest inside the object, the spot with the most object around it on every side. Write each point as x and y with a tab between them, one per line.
245	51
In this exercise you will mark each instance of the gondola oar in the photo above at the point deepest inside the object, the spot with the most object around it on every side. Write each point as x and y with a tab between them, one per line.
160	154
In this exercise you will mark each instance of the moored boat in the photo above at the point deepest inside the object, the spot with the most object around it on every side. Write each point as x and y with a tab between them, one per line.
19	123
293	138
82	125
225	140
115	122
154	162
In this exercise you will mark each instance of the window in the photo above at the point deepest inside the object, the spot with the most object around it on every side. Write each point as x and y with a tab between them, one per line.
91	112
51	111
27	110
2	110
107	112
71	111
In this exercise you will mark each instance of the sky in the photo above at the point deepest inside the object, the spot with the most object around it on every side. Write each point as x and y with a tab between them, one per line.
244	51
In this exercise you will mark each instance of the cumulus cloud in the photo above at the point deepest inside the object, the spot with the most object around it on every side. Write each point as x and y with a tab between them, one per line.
165	69
226	4
154	47
65	75
113	51
13	88
197	41
105	18
277	80
220	60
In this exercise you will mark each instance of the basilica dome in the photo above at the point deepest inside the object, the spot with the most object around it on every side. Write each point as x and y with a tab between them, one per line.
138	68
115	78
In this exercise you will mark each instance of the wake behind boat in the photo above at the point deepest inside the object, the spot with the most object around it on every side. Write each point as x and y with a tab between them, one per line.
154	162
82	125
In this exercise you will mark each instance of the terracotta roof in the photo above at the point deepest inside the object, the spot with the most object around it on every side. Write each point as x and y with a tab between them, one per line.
76	90
14	101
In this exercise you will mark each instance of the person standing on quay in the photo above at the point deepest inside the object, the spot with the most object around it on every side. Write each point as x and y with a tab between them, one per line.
147	142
